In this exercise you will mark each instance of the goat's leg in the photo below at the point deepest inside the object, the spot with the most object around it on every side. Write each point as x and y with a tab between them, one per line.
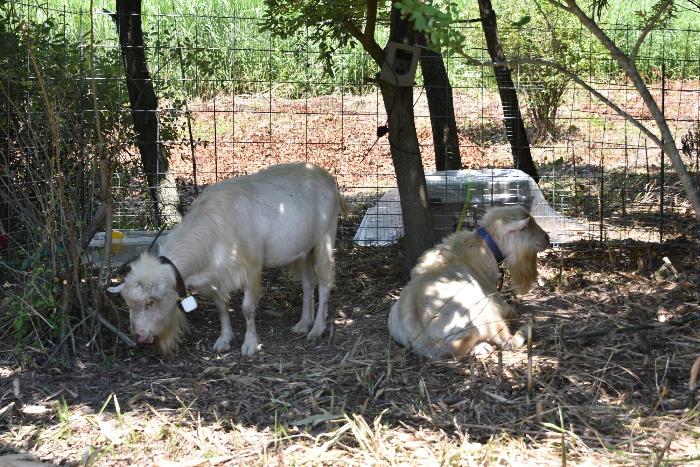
502	337
320	321
482	343
223	343
325	271
308	283
251	294
519	338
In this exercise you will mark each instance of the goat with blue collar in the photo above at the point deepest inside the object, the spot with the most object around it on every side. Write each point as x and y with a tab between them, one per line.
452	302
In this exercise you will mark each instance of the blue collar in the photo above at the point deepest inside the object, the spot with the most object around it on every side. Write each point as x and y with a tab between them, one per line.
491	244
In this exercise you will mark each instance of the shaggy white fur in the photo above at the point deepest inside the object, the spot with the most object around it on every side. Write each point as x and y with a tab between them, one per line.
284	215
452	303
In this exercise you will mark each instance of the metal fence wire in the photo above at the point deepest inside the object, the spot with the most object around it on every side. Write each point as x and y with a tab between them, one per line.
233	99
610	325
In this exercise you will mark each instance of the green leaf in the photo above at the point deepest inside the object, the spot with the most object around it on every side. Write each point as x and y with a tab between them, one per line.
553	427
314	420
521	22
419	22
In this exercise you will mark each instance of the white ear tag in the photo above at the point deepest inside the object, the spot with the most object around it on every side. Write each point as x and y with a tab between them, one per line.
188	304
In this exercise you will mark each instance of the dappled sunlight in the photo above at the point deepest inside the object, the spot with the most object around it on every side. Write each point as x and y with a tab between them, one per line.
182	436
360	398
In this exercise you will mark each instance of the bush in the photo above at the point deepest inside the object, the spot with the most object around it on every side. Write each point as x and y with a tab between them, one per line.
46	147
553	35
28	313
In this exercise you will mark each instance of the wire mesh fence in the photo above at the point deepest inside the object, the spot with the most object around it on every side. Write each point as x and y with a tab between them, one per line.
233	99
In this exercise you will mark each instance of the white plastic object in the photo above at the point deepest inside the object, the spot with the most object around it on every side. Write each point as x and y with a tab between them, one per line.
188	304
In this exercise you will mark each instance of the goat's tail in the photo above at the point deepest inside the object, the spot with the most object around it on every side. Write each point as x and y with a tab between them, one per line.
344	207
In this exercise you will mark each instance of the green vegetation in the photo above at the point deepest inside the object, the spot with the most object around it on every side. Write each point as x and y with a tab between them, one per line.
218	47
204	48
30	311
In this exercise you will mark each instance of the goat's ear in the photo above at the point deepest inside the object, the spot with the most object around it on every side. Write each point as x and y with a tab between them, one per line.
518	224
116	289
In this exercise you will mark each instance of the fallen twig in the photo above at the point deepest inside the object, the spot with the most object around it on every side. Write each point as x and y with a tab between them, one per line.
667	445
637	327
126	339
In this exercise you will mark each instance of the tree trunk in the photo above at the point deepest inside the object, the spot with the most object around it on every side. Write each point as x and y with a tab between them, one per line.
408	166
442	113
512	118
144	108
410	177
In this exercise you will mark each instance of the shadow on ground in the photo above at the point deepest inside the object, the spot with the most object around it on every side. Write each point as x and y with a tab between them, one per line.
295	395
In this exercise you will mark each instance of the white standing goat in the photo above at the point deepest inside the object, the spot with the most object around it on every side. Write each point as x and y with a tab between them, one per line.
284	215
452	302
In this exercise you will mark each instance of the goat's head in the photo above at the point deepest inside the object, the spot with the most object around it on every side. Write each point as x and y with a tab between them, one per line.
520	239
150	292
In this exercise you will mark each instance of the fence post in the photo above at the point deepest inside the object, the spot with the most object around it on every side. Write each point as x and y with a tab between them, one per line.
662	174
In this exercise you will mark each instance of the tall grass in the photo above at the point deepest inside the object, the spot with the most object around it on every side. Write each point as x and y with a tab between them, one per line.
203	47
211	47
676	44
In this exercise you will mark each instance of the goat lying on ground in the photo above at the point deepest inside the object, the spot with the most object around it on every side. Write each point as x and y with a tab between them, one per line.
284	215
452	303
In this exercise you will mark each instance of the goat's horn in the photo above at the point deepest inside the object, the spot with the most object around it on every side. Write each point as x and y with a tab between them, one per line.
115	289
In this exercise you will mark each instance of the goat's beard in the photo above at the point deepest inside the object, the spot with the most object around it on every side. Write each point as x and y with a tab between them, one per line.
169	339
523	270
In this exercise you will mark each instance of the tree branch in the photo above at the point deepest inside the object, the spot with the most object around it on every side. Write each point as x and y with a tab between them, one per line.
105	322
371	21
663	6
562	69
559	5
667	141
593	27
368	43
93	226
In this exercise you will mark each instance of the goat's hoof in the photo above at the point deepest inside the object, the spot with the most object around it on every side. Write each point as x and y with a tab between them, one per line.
516	342
222	344
520	337
249	348
482	348
315	333
302	327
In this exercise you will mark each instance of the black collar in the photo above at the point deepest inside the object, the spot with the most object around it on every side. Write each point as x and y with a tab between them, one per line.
491	244
179	282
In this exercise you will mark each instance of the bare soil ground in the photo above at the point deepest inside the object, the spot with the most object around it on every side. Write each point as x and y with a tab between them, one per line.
241	134
358	399
593	146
